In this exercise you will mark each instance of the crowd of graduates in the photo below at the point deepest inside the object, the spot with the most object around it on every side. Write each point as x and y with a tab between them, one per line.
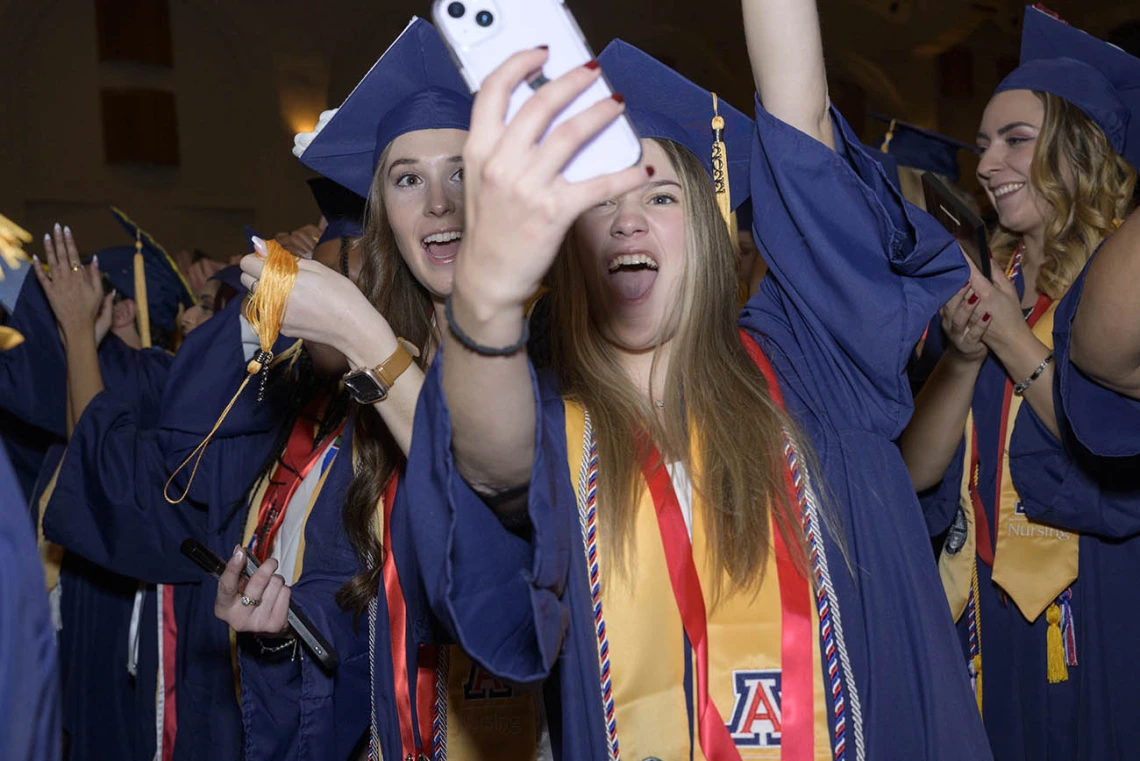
731	454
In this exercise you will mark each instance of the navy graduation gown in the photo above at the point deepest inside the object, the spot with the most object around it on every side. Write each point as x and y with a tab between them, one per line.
1063	484
109	507
29	664
855	275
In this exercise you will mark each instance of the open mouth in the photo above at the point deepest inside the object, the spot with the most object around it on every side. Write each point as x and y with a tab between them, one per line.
442	247
632	274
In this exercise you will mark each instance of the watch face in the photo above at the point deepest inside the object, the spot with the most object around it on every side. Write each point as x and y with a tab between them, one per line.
364	387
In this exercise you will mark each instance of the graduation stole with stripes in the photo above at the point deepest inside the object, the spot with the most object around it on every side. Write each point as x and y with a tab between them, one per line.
1034	564
741	679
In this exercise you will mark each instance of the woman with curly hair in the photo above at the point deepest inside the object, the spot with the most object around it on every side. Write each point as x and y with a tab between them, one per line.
1037	532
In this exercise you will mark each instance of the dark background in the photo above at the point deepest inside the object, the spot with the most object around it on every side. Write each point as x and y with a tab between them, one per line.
182	111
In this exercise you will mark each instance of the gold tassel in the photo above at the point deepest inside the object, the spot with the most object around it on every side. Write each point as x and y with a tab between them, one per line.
977	661
1055	647
142	315
888	137
265	310
721	184
12	241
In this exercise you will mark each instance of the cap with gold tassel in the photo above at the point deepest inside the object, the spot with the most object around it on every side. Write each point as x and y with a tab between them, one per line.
12	240
722	184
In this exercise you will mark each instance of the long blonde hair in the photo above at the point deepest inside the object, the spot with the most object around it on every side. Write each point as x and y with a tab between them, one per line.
712	385
1083	215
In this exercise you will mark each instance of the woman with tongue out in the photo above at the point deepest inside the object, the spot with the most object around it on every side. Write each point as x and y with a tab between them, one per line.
721	553
1034	565
392	690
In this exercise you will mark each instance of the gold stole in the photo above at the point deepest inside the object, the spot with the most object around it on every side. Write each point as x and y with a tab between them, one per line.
647	652
487	720
1033	563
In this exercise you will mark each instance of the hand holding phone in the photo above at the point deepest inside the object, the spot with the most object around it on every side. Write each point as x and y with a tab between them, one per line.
966	227
254	599
483	34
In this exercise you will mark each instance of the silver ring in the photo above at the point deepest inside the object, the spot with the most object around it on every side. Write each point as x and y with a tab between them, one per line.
253	285
249	601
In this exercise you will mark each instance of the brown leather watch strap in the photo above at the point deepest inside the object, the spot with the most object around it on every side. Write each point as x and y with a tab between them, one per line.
394	366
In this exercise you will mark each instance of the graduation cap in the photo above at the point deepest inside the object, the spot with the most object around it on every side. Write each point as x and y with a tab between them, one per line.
923	149
665	105
155	283
413	86
343	210
1099	78
231	276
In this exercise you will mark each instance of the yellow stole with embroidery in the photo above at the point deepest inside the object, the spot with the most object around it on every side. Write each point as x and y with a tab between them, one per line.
647	647
1032	563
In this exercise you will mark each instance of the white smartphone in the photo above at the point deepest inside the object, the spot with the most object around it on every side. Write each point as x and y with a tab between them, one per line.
482	34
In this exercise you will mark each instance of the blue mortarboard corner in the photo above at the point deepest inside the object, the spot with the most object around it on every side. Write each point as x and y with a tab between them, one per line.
922	149
1099	78
413	86
342	209
165	285
663	104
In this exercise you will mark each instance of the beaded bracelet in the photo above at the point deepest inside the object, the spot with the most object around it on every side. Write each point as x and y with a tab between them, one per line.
473	345
1022	387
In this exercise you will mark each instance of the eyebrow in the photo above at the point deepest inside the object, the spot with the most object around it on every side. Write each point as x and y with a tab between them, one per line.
662	183
413	162
1002	131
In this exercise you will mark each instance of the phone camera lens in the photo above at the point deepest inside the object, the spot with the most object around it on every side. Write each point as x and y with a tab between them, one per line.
484	18
456	10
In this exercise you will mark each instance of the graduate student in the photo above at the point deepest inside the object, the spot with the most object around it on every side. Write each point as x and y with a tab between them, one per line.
1040	540
705	539
359	583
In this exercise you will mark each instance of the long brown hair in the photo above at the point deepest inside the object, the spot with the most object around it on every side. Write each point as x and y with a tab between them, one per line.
1084	210
392	288
712	383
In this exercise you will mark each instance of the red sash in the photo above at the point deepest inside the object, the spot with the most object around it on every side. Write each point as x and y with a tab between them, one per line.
798	734
985	541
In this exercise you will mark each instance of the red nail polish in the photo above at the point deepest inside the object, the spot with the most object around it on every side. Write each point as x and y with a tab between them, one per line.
986	317
542	47
973	299
650	171
618	97
592	64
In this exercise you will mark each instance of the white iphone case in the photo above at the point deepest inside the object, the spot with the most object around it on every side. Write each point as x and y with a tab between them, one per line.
521	25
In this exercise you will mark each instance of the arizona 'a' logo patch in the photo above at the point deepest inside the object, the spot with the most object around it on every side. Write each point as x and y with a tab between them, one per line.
756	717
481	684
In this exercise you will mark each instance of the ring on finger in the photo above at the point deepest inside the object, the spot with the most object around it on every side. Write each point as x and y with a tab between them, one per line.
75	268
249	601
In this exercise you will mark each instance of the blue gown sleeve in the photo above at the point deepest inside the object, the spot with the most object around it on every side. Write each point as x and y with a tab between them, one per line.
33	375
855	272
291	707
1104	422
1068	487
940	503
29	660
498	595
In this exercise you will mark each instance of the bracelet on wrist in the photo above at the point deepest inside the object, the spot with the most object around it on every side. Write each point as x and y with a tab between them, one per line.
471	344
1022	387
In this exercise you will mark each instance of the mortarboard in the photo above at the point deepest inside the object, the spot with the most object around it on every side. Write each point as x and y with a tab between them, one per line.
342	209
231	276
923	149
1099	78
413	86
665	105
163	287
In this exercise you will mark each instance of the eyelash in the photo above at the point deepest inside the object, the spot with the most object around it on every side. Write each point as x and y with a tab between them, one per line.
1015	141
662	196
400	181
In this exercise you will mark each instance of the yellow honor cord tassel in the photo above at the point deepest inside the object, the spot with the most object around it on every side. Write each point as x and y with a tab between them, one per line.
10	338
721	184
977	662
12	241
1055	646
265	311
142	315
888	137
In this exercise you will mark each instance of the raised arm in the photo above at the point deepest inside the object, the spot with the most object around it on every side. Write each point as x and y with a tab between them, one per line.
786	51
518	209
75	293
1106	329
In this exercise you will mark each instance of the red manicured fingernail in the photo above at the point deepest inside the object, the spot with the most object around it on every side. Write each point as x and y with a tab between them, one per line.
617	96
592	64
986	317
650	171
542	47
973	299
